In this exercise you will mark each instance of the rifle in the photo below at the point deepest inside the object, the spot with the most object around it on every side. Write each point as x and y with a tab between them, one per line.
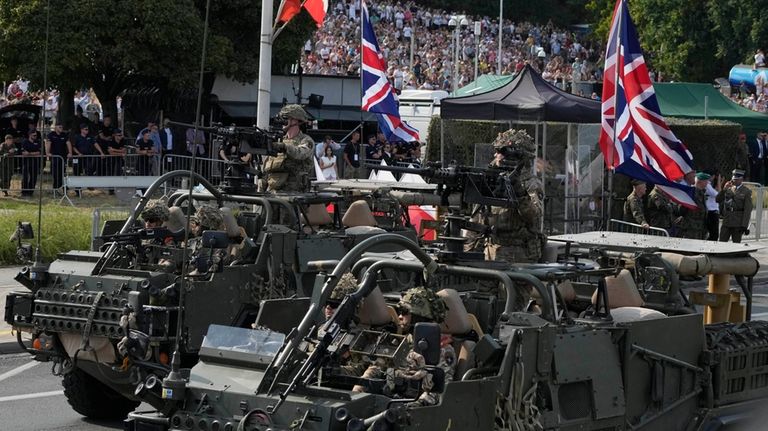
252	140
495	186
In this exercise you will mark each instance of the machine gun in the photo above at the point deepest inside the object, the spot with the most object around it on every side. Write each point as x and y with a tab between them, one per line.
143	234
327	335
251	140
495	186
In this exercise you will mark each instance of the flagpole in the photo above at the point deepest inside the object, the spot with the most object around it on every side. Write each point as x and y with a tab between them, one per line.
265	65
612	169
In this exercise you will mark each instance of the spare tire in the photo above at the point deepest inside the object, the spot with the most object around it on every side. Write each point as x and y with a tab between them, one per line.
94	399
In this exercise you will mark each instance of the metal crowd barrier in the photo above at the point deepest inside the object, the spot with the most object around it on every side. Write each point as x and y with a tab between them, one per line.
627	227
21	175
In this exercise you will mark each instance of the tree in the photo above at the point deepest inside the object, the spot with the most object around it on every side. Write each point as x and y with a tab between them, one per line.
111	45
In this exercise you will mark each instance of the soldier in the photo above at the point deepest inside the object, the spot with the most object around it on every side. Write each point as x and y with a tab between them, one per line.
634	211
347	284
289	170
735	207
155	213
418	304
693	224
206	218
517	236
660	211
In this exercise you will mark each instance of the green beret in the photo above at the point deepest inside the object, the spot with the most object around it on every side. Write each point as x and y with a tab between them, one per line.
703	176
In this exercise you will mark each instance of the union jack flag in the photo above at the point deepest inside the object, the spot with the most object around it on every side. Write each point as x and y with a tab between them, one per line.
378	95
635	140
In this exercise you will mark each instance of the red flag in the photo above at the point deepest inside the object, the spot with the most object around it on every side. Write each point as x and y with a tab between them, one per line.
289	10
316	9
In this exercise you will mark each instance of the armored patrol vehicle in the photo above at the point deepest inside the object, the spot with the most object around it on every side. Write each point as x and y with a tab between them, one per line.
612	369
110	320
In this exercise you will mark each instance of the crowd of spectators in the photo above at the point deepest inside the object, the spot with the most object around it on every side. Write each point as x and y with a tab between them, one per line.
560	55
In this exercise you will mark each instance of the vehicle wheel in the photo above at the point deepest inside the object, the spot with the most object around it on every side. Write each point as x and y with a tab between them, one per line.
93	399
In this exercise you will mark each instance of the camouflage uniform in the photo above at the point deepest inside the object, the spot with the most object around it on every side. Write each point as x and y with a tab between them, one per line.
633	209
694	221
289	170
735	209
517	236
207	218
660	211
425	304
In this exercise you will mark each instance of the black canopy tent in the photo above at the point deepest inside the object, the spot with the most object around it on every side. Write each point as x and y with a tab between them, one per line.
528	97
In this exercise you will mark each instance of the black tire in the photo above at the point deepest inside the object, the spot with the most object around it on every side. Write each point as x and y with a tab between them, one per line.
94	399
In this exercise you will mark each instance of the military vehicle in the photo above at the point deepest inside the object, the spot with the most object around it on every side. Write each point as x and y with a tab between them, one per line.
611	369
110	320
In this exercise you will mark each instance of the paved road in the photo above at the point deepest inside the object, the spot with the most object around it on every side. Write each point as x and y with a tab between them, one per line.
31	399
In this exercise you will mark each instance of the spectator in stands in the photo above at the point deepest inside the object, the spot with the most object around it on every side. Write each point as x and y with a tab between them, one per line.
31	149
327	143
59	151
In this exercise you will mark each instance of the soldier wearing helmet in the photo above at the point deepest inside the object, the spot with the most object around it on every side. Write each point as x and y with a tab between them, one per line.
517	235
207	218
289	170
418	304
347	284
155	213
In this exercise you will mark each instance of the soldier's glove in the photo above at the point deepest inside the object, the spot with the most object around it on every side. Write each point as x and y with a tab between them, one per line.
279	147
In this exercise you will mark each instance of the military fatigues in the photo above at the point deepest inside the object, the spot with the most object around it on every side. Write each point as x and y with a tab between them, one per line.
660	211
694	220
289	171
735	210
633	210
517	236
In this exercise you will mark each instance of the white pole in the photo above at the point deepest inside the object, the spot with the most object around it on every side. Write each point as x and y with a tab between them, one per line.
478	29
456	60
501	35
265	65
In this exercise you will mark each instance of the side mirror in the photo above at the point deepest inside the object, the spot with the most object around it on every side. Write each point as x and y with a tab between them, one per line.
215	239
426	341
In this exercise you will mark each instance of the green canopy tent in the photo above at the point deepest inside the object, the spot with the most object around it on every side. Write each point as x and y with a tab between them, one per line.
482	84
700	101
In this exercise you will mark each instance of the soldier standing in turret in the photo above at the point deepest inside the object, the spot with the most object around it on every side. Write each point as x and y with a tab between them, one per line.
289	170
634	211
517	236
735	206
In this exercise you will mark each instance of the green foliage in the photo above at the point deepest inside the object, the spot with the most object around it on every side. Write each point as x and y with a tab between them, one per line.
460	138
692	40
111	45
713	143
64	229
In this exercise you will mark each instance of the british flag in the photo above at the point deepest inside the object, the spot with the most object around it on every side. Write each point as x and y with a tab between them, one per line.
378	95
635	140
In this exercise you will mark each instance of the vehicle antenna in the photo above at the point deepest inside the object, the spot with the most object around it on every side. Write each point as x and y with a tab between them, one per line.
38	266
173	385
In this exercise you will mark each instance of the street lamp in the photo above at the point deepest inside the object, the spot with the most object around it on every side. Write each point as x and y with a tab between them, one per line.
457	23
478	29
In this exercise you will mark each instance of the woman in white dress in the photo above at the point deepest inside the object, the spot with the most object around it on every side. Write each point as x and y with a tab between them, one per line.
328	165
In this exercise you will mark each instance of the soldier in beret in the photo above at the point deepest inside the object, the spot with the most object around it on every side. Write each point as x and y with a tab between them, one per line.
735	201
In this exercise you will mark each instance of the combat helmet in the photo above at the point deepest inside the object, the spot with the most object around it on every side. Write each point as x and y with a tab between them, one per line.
347	284
294	111
155	209
209	218
518	140
424	303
